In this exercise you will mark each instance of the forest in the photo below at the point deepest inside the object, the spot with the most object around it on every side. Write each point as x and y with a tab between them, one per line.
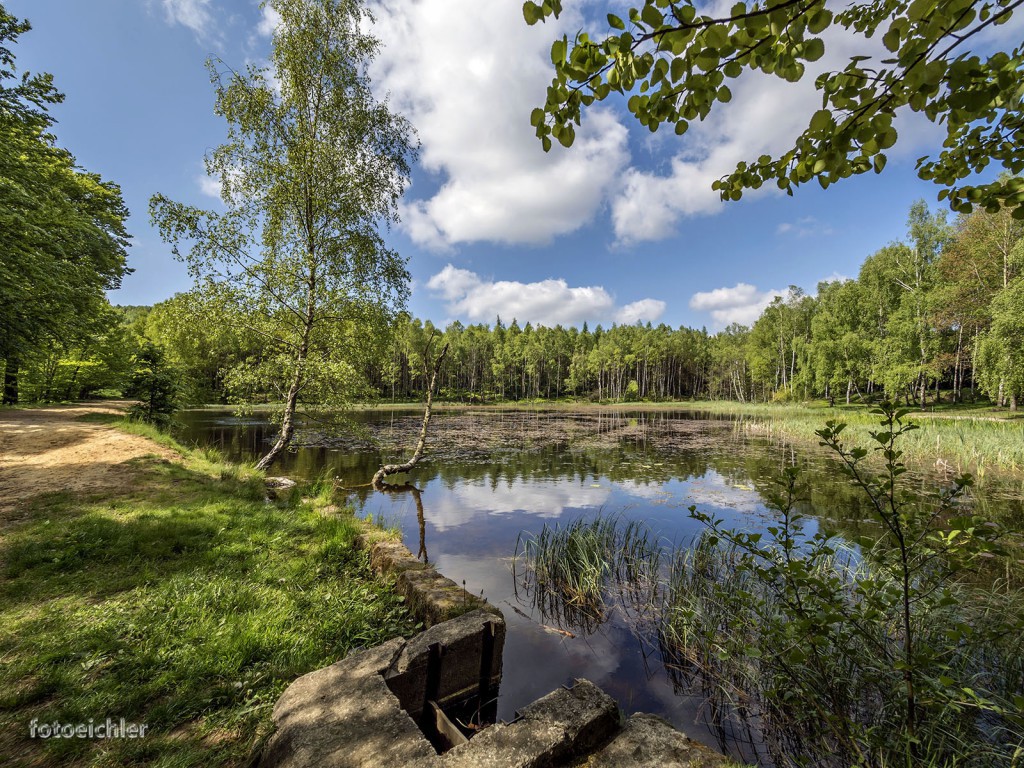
937	317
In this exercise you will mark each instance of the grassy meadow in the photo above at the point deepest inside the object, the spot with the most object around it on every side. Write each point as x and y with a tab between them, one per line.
187	605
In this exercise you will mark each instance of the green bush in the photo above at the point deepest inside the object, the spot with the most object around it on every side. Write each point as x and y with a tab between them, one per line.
876	656
155	385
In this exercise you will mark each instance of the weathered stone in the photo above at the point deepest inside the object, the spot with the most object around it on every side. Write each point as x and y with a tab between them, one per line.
344	716
359	713
279	483
431	597
390	556
462	649
566	723
647	740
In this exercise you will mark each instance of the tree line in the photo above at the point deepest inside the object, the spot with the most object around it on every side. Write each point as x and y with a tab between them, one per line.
936	317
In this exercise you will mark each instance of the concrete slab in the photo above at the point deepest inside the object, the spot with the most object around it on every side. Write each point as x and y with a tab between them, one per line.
461	655
344	716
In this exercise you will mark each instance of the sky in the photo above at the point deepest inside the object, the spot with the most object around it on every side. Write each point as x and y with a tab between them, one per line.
622	227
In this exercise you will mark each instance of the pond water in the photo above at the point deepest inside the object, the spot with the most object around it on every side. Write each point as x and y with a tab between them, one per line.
492	476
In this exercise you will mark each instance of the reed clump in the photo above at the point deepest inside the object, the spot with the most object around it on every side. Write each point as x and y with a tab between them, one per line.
570	572
821	651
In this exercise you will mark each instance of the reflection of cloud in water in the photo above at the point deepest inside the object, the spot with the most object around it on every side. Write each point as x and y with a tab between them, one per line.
654	492
494	578
466	501
713	490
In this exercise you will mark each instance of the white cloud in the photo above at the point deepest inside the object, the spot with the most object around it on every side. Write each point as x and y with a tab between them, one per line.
835	277
743	303
467	74
194	14
641	311
765	116
805	226
209	186
270	20
547	302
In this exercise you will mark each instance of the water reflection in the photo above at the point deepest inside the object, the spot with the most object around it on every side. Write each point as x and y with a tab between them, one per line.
489	476
421	521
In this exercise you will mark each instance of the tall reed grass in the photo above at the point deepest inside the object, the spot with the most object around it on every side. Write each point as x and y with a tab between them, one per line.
728	631
569	572
977	444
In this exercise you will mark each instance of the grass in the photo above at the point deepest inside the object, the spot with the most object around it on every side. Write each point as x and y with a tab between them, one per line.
187	605
568	572
972	440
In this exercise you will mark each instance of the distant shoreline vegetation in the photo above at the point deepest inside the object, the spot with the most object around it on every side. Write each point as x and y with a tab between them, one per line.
977	439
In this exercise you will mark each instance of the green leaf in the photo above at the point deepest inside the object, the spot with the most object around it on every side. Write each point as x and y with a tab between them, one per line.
558	52
651	16
814	49
615	22
532	13
821	120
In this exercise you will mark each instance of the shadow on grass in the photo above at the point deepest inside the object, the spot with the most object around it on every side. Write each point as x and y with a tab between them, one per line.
187	605
73	545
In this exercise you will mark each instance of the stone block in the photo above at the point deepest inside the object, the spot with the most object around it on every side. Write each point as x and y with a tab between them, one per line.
647	740
567	723
431	597
344	716
463	646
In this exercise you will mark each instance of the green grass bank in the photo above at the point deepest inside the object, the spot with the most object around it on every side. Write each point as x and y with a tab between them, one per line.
186	604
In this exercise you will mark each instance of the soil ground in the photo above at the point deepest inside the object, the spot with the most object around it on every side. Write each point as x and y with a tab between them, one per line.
66	448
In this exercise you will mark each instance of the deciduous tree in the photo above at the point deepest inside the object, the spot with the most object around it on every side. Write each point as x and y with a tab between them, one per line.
62	236
677	57
312	167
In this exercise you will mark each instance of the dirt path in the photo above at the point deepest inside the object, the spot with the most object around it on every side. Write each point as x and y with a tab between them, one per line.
43	450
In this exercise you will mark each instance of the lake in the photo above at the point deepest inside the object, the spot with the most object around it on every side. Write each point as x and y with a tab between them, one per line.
492	476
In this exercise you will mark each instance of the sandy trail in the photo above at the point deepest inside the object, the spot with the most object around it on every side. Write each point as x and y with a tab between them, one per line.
43	450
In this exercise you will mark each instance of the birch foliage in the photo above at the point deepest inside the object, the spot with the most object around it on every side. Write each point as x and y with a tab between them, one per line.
312	169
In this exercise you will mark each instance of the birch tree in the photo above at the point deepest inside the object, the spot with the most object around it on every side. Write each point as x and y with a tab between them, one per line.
312	168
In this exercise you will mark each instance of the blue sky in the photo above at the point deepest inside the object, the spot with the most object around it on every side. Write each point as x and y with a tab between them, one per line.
623	226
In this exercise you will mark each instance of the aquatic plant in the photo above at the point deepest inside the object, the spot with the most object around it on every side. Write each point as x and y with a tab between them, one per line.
569	572
835	656
813	649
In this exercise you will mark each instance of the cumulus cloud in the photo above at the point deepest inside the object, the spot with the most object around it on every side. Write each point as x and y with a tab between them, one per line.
269	21
209	186
641	311
547	302
765	116
467	74
743	303
194	14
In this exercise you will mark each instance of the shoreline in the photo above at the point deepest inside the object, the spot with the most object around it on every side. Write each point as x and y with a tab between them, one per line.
976	440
